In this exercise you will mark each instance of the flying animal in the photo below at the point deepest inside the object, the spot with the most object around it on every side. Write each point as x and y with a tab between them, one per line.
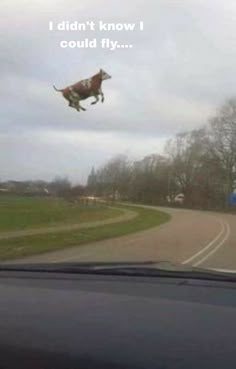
90	87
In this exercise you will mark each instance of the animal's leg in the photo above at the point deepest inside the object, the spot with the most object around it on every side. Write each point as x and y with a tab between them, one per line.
73	104
102	94
72	99
96	100
76	100
78	106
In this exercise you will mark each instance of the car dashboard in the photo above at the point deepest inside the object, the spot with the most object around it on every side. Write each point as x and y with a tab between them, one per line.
57	320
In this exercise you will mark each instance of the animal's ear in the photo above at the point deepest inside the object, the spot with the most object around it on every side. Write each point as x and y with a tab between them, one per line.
101	70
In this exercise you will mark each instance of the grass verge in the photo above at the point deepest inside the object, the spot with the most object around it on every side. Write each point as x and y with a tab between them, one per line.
31	245
23	213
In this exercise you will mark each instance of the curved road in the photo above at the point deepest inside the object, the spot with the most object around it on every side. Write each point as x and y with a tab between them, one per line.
197	238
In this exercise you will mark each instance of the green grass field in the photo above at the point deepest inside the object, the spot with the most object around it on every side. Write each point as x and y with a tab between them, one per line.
21	213
31	245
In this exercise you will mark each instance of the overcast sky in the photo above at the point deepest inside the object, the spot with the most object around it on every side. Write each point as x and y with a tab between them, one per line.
181	68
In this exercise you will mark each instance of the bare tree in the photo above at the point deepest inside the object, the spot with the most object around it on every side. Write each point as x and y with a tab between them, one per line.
114	177
60	185
187	152
201	164
223	144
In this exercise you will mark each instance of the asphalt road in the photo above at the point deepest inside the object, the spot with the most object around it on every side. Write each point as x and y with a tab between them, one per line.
197	238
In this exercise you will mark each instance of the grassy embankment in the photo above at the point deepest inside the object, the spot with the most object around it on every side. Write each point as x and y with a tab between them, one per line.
27	213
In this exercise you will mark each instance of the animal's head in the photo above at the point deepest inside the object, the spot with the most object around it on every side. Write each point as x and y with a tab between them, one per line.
104	75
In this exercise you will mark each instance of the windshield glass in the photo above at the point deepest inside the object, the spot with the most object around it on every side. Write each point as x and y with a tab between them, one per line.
118	132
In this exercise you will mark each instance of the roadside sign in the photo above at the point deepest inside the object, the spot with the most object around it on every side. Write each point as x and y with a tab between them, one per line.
232	198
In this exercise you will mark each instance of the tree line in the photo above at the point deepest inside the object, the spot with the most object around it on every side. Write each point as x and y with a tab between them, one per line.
201	164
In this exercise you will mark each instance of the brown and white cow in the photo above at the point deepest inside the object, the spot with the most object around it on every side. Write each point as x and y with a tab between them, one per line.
90	87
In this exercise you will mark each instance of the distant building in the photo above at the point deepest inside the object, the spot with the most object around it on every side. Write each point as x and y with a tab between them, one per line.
24	187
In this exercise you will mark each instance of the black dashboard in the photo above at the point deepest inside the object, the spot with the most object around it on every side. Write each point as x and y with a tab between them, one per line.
56	320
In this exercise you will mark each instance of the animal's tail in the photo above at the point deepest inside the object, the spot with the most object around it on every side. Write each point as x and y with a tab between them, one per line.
56	89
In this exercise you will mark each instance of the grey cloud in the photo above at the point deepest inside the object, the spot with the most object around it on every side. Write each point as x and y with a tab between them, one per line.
182	66
47	154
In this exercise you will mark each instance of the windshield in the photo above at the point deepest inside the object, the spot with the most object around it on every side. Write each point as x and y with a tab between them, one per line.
118	133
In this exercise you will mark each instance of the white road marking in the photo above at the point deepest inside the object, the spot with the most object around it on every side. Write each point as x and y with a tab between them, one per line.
207	246
216	247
